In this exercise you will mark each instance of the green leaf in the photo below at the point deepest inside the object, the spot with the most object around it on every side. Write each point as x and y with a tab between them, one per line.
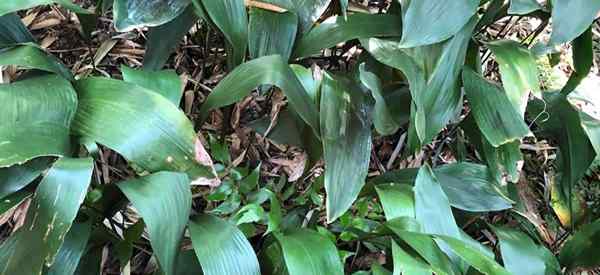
474	257
397	200
336	29
163	39
71	250
16	177
36	114
49	217
221	247
522	256
519	72
404	263
581	250
131	14
31	57
270	70
495	115
165	83
160	195
307	252
586	101
583	56
384	121
17	5
13	31
565	26
7	203
522	7
428	22
346	131
143	126
308	11
271	33
231	18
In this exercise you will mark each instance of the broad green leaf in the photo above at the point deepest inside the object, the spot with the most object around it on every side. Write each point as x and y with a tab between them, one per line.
17	5
13	31
344	8
469	187
565	26
586	101
473	256
157	196
270	70
404	263
31	57
519	72
385	122
310	84
49	217
308	11
427	22
165	83
583	56
16	177
163	39
71	250
522	256
143	126
231	18
221	247
408	230
432	209
433	74
36	115
131	14
271	33
346	135
187	263
337	29
307	252
8	202
397	200
495	115
377	269
581	249
522	7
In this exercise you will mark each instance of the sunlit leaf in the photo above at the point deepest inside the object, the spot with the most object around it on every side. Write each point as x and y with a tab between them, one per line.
404	263
143	126
522	256
397	200
53	209
131	14
427	22
307	252
221	247
473	256
271	33
165	83
345	131
36	115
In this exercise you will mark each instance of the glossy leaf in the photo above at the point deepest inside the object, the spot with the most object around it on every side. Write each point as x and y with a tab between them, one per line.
271	70
473	256
17	5
155	197
519	72
36	116
163	39
565	26
221	247
271	33
397	200
53	209
337	29
345	131
384	120
231	18
405	263
495	115
143	126
31	57
586	101
522	256
581	250
308	11
13	31
8	202
131	14
16	177
583	56
71	250
428	22
522	7
307	252
165	83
